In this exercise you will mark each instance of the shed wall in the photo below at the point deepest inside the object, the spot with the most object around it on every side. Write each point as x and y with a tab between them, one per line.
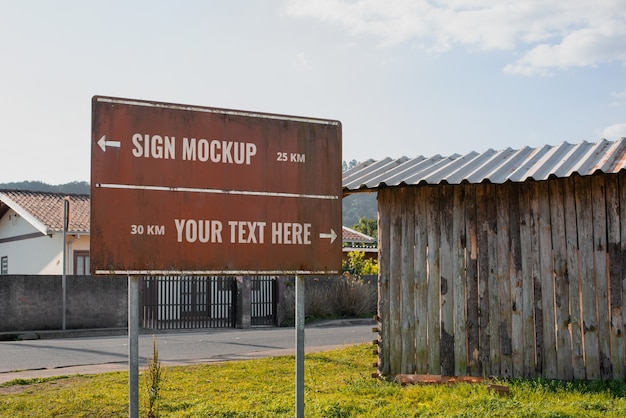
512	280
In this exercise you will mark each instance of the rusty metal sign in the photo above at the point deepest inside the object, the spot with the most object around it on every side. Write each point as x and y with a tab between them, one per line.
179	189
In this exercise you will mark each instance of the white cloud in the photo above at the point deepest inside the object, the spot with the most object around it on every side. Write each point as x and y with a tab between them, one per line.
546	35
301	63
619	98
615	131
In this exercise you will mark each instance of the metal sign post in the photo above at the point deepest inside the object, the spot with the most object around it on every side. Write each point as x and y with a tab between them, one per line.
133	346
299	346
66	222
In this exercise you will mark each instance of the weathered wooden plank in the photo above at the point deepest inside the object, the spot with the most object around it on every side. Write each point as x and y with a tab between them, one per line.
492	278
517	327
622	218
395	284
601	274
458	281
483	276
526	221
503	279
407	286
421	279
573	274
447	281
561	289
473	323
615	276
384	313
434	281
547	282
587	282
535	227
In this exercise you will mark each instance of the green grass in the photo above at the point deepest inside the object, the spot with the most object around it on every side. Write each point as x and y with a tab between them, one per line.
338	384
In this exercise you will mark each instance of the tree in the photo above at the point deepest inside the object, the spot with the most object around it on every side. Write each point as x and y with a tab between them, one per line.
367	226
345	166
358	265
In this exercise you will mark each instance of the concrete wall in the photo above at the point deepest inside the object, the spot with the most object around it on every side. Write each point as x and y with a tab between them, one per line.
35	302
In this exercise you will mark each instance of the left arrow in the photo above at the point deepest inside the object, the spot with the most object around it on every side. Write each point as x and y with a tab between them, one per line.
104	143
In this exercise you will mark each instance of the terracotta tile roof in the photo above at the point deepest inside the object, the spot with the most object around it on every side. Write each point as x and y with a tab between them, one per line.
47	208
350	235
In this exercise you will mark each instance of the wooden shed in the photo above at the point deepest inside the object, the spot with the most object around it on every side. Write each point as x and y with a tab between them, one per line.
504	263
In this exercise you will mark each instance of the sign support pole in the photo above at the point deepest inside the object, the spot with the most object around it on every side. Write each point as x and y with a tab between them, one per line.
133	346
299	346
66	217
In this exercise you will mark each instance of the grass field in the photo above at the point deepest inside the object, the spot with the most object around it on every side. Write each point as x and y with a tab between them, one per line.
338	383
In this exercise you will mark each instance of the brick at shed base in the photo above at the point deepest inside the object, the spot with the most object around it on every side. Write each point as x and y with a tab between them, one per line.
429	379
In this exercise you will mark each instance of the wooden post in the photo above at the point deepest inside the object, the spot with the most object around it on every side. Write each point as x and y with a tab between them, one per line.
615	276
459	297
559	249
407	323
483	275
587	281
420	279
473	308
517	303
492	279
384	215
395	284
503	279
601	274
571	237
526	221
546	276
434	281
447	282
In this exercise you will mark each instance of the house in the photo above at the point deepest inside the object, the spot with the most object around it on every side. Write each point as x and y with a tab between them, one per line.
502	263
357	241
32	233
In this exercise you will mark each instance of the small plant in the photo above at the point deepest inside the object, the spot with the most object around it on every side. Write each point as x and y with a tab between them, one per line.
154	379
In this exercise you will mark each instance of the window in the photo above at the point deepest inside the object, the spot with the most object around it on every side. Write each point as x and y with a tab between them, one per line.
81	263
4	265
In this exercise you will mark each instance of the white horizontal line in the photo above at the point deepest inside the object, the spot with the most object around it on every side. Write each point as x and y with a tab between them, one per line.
212	272
214	191
131	102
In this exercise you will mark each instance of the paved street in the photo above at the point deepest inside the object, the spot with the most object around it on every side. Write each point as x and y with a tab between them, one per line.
65	356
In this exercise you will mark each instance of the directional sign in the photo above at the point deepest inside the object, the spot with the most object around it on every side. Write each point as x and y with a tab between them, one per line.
179	189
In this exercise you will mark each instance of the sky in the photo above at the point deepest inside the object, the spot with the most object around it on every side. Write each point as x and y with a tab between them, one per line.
404	77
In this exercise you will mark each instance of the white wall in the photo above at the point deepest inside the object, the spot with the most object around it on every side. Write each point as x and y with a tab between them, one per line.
40	255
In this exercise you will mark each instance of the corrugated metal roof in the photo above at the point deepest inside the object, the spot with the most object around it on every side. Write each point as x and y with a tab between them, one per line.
492	166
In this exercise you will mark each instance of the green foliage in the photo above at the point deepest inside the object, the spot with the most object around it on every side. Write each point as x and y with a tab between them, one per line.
345	166
154	380
344	296
358	265
367	226
337	384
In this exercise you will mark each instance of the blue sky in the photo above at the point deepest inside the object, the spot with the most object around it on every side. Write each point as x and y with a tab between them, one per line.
405	77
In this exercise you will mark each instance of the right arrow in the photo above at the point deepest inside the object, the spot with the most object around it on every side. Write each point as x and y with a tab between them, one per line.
332	235
104	143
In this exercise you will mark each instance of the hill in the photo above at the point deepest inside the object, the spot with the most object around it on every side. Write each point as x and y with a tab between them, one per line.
74	187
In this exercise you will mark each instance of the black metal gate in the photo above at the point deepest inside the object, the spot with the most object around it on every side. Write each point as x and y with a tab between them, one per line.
264	300
187	302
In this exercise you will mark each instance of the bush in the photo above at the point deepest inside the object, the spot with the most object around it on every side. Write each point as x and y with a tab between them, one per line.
345	296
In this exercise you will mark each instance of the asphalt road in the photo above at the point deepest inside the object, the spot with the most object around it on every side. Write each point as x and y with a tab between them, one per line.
67	356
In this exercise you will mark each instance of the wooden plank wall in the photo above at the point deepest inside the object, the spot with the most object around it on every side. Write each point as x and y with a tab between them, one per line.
512	280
